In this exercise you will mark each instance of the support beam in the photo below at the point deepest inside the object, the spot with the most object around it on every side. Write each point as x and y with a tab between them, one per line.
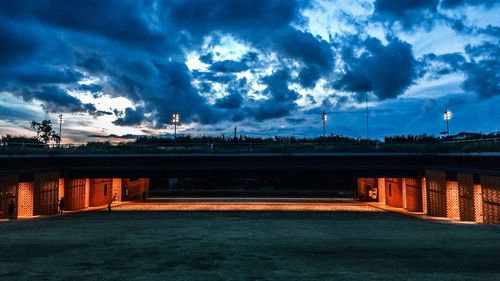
424	196
381	190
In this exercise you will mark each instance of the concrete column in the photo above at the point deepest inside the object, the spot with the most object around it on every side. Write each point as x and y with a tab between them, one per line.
478	203
424	196
25	199
452	200
381	190
403	186
87	193
117	189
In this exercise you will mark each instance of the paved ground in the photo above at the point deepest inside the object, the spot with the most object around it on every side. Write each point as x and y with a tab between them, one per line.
349	244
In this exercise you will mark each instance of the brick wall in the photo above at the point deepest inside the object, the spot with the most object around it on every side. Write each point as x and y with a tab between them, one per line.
25	201
74	190
46	196
452	200
466	196
490	186
436	193
413	188
8	194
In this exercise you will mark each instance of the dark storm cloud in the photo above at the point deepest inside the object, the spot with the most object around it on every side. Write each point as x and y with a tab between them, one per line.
17	43
450	4
411	14
435	66
386	70
230	101
281	99
132	117
56	99
483	71
135	48
248	61
408	13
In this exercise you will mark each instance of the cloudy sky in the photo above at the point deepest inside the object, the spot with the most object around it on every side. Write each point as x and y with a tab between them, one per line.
269	67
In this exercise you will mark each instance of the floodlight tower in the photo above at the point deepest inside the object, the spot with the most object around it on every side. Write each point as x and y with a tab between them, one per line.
324	118
175	119
60	129
447	117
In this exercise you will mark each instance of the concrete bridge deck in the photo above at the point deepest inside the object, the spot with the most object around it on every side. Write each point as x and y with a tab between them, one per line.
200	164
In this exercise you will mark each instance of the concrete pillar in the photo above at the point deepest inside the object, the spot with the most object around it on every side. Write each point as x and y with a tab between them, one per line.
424	196
403	186
117	189
452	200
87	193
381	190
25	201
478	203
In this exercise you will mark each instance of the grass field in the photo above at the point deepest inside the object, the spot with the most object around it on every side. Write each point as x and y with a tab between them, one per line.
161	245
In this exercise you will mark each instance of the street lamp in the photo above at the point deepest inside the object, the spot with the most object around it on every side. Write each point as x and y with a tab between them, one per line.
324	117
175	119
447	116
60	128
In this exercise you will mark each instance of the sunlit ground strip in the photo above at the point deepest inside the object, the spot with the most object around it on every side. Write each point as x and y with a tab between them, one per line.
246	206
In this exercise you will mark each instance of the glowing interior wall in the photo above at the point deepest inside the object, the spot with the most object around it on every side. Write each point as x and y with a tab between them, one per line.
366	188
394	192
135	189
101	192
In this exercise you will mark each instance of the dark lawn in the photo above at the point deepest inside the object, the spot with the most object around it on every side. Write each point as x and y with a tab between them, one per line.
246	246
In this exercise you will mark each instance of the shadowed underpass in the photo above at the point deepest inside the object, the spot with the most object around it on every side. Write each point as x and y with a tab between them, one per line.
173	245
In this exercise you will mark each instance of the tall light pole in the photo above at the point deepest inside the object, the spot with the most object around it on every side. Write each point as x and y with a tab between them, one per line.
366	111
447	117
324	117
60	128
175	119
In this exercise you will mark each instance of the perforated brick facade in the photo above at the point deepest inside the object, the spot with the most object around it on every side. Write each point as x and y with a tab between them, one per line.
452	200
436	193
46	199
413	187
26	195
74	190
8	194
478	203
490	186
425	202
466	196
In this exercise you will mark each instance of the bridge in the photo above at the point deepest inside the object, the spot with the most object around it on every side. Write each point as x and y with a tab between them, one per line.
456	186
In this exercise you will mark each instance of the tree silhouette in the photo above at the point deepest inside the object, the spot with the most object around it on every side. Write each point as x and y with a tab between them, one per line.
44	132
